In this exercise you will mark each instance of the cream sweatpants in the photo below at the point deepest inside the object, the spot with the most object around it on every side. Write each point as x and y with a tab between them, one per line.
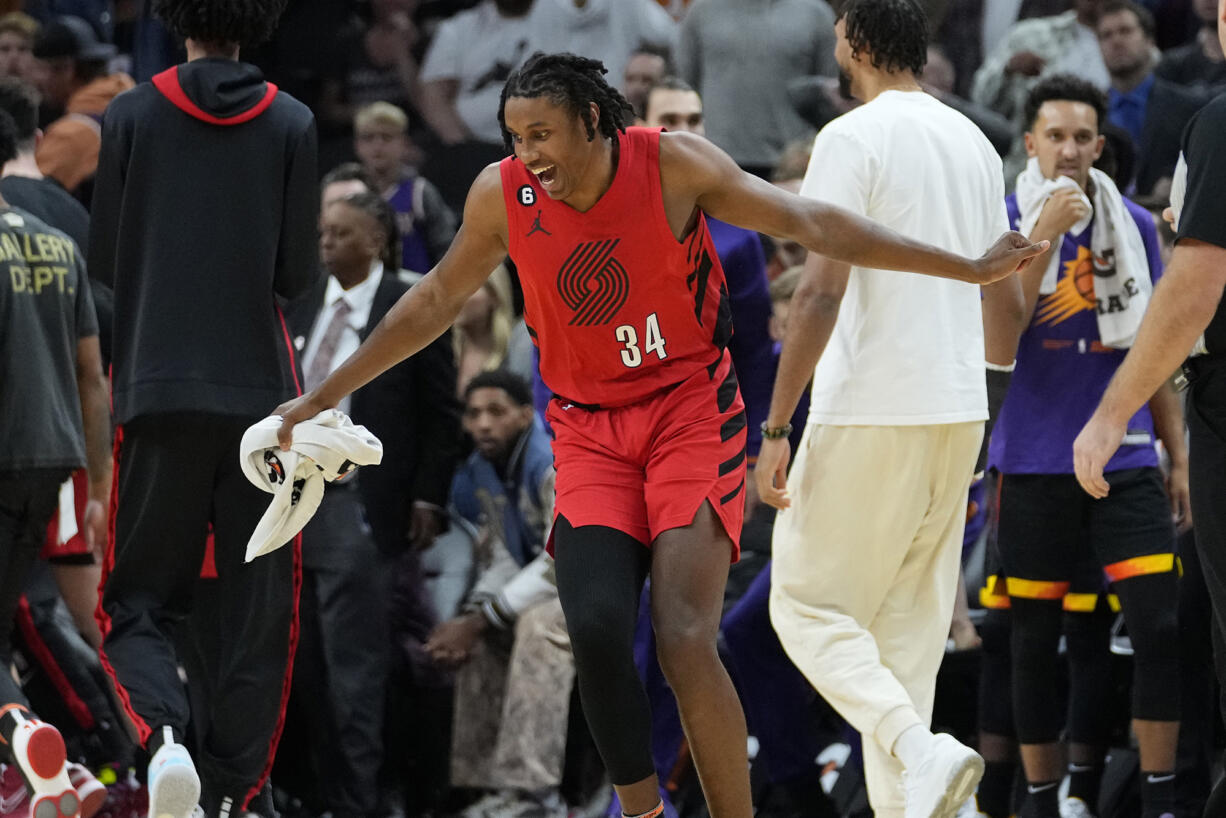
864	574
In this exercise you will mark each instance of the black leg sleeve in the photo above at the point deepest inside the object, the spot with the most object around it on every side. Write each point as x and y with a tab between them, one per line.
600	575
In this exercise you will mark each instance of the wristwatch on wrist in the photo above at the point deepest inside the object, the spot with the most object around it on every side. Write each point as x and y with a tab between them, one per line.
777	432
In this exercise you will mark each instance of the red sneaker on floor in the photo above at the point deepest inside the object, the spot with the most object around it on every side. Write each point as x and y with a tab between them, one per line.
89	789
38	753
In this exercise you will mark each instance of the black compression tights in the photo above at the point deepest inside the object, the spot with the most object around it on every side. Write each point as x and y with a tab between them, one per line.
1149	611
600	575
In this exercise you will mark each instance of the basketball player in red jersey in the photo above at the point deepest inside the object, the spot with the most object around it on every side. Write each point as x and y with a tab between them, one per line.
624	297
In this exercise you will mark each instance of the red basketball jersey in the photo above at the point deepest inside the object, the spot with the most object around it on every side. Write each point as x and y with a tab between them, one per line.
618	307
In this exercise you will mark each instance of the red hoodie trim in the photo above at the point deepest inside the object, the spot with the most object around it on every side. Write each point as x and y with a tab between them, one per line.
143	730
59	680
294	623
168	83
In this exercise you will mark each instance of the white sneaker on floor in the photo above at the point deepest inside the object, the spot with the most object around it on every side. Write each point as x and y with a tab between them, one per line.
1075	808
943	781
174	786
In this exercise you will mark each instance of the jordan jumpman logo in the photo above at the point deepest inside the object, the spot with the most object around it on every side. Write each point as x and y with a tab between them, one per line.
537	227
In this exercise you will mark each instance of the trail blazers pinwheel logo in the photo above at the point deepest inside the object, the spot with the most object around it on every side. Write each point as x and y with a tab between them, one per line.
593	283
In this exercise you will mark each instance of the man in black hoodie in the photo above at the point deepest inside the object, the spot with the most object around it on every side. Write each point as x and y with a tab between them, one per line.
204	212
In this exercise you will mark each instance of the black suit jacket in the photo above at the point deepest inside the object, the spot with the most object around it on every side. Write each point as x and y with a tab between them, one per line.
412	408
1167	113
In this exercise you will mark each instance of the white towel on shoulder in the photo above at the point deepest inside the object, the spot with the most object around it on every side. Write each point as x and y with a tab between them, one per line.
325	448
1121	267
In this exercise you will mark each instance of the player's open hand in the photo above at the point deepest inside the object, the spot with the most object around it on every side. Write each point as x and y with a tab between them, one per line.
452	642
771	472
1180	494
1011	253
294	412
1093	448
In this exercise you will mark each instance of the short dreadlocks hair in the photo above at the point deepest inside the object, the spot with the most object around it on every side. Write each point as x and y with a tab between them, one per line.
894	33
219	22
572	82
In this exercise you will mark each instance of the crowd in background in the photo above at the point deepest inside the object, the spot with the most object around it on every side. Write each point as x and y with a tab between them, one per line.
433	672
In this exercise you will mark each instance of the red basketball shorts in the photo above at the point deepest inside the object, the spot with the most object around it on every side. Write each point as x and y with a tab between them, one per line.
647	467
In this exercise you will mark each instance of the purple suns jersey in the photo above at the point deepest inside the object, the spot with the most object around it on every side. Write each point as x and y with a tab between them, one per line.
1063	369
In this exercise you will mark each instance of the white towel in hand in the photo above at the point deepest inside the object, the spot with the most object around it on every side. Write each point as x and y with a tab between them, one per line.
1121	266
325	448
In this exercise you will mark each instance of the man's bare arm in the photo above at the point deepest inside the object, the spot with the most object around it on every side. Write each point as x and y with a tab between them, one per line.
1004	320
715	183
96	414
1184	302
425	311
812	314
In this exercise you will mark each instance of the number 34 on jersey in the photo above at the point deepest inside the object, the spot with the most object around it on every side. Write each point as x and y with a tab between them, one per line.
653	341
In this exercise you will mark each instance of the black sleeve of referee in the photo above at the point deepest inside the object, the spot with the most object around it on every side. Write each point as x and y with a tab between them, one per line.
998	387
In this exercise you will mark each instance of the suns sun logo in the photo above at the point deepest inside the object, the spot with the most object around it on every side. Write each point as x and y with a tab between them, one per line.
1074	291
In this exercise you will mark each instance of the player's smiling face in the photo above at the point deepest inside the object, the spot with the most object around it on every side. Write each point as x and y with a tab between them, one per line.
552	143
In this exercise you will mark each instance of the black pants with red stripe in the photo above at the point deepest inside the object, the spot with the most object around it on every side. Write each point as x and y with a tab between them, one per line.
27	501
177	475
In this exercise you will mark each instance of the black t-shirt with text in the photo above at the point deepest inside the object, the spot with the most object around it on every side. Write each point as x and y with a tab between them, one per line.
1204	207
45	309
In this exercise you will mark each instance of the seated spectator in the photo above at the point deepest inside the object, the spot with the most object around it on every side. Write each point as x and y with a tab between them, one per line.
427	225
972	28
374	63
487	329
343	181
644	68
1036	48
1199	64
17	33
741	63
75	81
1153	111
468	61
514	665
605	30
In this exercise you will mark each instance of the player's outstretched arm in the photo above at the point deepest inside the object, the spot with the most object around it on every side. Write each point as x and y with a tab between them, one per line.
425	311
722	189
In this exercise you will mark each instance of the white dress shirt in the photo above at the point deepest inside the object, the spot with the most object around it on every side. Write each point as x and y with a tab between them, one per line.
359	297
